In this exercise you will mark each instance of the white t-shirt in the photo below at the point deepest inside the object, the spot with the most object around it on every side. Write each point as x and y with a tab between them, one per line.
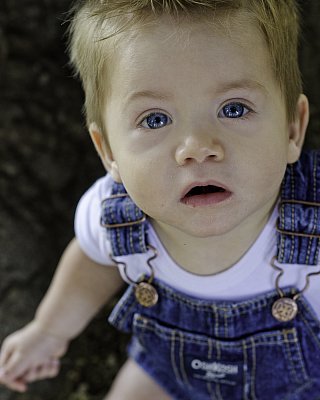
252	275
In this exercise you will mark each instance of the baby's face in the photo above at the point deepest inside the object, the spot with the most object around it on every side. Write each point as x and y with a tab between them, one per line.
197	126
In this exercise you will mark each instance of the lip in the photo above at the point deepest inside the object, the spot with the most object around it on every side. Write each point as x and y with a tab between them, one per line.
206	199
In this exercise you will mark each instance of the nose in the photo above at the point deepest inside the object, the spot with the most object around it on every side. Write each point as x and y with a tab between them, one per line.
193	148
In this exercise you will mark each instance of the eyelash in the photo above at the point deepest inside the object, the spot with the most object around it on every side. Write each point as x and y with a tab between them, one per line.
236	104
155	112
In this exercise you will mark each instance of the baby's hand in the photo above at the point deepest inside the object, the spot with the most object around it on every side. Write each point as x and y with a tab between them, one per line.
30	354
48	370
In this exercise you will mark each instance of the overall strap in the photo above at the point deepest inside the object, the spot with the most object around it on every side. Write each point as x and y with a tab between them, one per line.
298	228
125	223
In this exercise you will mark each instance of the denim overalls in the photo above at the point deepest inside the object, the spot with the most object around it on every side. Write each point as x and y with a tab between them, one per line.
231	350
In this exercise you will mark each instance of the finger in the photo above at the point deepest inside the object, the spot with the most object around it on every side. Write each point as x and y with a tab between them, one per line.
16	366
18	385
33	375
38	372
48	370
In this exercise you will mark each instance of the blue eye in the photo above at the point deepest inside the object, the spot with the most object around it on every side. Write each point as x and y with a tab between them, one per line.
233	110
156	120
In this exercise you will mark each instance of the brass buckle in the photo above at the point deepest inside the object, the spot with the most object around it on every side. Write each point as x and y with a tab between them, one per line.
145	293
121	224
286	308
291	233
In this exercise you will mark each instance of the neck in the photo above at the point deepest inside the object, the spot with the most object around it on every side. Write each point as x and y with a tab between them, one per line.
214	254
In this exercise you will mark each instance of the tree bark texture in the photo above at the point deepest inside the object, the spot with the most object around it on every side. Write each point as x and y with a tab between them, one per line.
47	162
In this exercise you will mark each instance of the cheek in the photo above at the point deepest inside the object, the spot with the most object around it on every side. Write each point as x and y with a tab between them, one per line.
146	181
263	167
268	176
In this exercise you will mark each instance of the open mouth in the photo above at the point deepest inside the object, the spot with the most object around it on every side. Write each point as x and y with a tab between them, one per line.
204	195
203	190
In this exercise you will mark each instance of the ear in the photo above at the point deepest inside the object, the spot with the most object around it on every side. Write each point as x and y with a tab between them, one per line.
297	129
104	152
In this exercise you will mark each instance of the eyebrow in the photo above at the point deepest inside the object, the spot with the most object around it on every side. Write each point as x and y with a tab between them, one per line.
225	87
250	84
151	94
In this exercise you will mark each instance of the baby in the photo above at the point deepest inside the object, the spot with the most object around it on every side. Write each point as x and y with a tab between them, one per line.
209	209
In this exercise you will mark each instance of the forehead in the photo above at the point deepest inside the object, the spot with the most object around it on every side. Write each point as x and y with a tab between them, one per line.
165	52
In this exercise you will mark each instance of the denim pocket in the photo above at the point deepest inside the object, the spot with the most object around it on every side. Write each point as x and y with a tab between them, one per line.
263	366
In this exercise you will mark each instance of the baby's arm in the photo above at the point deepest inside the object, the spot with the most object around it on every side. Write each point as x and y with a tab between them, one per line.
78	290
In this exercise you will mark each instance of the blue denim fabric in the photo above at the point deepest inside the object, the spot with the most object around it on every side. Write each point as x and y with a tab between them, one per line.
299	211
119	209
203	350
301	183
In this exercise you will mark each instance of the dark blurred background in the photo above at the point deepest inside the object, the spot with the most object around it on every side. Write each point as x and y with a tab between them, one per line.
47	162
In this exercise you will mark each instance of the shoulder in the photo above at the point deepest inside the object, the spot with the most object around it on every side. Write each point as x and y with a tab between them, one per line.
99	190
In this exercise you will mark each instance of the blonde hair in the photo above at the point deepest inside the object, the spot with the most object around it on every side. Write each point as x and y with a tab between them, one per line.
95	21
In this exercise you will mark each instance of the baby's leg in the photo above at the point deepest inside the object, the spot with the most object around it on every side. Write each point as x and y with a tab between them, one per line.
132	383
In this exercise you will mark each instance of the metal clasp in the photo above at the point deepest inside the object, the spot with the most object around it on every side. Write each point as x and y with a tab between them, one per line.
144	292
285	308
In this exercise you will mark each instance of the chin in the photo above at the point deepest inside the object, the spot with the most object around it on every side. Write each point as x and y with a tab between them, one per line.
206	231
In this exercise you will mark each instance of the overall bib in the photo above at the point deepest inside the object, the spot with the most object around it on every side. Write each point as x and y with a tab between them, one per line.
264	348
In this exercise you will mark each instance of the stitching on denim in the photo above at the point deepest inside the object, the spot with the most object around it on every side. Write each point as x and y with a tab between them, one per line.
209	356
172	355
311	330
210	391
168	292
317	250
119	244
218	387
182	367
131	239
291	365
309	249
209	384
234	309
273	338
245	370
309	311
202	341
121	319
118	311
127	216
141	237
253	370
225	319
315	219
315	178
292	216
111	210
301	360
136	211
216	317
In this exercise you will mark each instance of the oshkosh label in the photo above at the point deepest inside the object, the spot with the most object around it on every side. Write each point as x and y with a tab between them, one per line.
229	373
